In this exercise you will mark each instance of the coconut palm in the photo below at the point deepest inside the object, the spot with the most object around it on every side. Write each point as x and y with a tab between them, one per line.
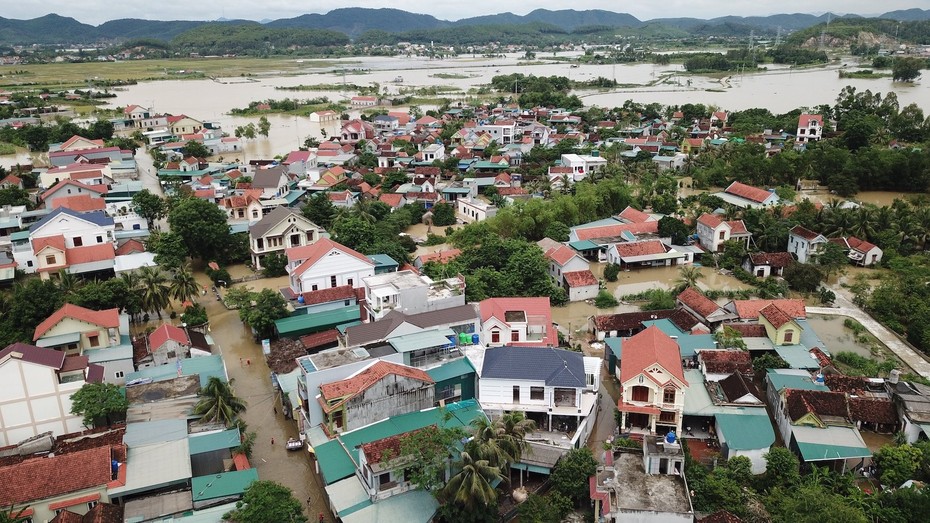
15	516
688	276
473	486
184	287
154	288
514	426
488	443
218	403
68	283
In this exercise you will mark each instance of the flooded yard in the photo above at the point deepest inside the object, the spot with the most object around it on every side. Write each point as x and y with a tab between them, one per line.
839	338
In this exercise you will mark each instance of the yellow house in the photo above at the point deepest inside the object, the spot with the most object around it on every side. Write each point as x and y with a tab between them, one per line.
779	326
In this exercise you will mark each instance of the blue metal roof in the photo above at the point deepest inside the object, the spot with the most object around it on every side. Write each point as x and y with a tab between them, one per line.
557	367
96	217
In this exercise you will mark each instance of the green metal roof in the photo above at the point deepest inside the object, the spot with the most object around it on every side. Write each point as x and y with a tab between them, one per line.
457	190
413	506
225	439
489	165
825	452
222	485
383	260
796	356
338	458
422	340
583	245
206	367
451	370
746	431
19	235
293	196
792	381
315	322
615	345
688	344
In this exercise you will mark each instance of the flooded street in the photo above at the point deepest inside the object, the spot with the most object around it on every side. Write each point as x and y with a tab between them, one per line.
836	336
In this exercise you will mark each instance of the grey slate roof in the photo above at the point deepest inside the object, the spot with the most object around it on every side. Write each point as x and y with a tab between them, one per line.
269	178
557	367
379	330
276	216
96	217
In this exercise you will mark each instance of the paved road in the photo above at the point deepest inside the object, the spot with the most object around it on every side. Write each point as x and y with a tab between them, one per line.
908	355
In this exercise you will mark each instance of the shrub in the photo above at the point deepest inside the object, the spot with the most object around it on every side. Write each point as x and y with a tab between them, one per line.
611	272
605	300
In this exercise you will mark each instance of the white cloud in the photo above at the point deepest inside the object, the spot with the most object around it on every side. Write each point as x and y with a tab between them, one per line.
99	11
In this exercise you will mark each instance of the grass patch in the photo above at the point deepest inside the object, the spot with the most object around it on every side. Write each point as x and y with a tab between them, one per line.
864	74
7	148
451	76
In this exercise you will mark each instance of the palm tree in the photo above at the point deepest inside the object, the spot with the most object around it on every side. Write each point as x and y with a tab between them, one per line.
218	403
473	486
184	287
688	276
488	444
514	426
154	288
15	516
68	283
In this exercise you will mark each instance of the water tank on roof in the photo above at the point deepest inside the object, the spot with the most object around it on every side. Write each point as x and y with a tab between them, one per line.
475	339
300	299
671	438
819	379
464	338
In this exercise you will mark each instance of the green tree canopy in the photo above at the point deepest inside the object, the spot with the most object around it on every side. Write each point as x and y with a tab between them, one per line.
149	206
202	225
99	403
571	473
218	403
267	502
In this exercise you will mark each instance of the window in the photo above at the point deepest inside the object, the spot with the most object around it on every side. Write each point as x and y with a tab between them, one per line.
789	336
260	244
722	234
99	239
94	340
640	393
78	241
802	131
29	263
118	375
91	505
50	260
349	281
537	393
668	396
589	379
314	288
332	281
514	335
516	394
495	336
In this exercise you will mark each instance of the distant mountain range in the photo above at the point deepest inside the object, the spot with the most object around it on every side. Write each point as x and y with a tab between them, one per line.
354	21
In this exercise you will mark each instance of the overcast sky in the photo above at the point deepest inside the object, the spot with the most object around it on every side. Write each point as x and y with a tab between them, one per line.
99	11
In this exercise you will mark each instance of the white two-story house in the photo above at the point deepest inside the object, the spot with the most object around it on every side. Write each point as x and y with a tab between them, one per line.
652	383
283	228
805	244
551	386
517	321
326	264
77	242
810	128
713	231
410	293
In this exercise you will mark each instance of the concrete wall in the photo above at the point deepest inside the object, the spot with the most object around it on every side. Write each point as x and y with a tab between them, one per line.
32	401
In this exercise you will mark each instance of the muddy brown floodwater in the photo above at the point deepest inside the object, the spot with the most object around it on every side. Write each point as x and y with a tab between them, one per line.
252	382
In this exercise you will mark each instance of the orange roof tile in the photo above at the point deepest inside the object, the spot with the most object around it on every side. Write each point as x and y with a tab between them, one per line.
774	315
694	300
561	254
538	307
166	332
749	309
130	247
650	347
90	253
368	377
56	242
314	252
80	203
580	278
748	192
45	477
634	215
108	318
440	256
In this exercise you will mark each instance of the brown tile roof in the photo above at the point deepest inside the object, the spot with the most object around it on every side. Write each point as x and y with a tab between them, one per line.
375	450
66	516
634	215
694	300
774	259
633	320
860	245
737	227
847	384
319	339
748	192
106	318
807	234
735	386
614	231
822	403
726	361
131	246
579	278
341	293
561	254
643	248
368	377
873	410
749	309
42	478
748	330
774	315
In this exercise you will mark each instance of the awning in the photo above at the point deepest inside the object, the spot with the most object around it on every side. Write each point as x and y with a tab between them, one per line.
636	409
61	339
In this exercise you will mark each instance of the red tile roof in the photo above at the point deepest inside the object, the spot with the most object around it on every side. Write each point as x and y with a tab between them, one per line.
580	278
775	259
392	199
694	300
860	245
56	242
440	256
748	330
748	192
822	403
343	292
319	339
774	315
614	231
368	377
710	220
650	347
642	248
847	384
807	234
805	119
42	478
737	227
90	253
80	203
375	450
166	332
107	318
130	247
316	251
873	410
561	254
634	216
749	309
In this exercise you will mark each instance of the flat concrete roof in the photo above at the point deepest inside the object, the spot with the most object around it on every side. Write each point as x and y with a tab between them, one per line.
633	489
